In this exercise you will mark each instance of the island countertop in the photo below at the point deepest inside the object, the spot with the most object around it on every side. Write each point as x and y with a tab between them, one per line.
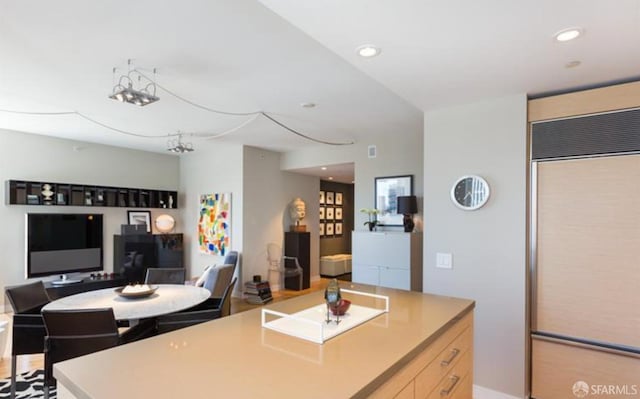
235	357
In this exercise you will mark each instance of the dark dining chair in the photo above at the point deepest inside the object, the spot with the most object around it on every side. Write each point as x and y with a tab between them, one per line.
28	327
197	314
165	275
73	333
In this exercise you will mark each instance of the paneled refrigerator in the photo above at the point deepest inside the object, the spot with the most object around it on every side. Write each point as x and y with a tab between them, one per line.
585	273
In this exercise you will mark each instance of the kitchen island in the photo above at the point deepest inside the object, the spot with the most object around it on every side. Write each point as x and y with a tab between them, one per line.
423	347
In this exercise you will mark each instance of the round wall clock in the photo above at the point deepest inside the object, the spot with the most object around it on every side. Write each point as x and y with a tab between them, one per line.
470	192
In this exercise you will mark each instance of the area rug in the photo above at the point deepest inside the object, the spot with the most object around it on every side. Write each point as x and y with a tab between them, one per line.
29	385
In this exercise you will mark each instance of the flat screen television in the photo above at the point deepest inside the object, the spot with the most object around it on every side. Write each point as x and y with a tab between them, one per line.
63	243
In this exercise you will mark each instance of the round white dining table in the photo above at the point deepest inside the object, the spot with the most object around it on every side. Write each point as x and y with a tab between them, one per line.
168	298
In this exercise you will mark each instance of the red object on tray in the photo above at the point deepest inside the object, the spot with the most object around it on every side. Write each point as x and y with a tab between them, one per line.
341	308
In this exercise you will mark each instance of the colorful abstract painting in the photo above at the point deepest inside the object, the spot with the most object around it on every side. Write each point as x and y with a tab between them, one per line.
214	226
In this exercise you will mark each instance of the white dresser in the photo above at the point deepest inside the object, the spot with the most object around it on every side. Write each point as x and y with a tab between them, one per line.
389	259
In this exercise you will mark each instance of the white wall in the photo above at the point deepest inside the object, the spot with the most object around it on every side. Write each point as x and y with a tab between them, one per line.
268	191
260	195
40	158
213	168
488	245
398	154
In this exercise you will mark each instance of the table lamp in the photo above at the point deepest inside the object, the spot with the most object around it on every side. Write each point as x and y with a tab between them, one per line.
408	205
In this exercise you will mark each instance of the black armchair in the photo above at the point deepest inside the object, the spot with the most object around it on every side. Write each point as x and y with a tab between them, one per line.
73	333
28	327
165	276
214	308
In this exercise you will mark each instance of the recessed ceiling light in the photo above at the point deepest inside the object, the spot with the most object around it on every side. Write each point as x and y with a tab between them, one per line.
568	34
572	64
330	178
324	168
368	50
308	105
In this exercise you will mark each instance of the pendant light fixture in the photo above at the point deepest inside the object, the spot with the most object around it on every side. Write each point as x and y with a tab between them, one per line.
125	91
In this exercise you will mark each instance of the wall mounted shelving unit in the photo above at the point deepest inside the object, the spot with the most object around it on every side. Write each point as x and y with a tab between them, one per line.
22	192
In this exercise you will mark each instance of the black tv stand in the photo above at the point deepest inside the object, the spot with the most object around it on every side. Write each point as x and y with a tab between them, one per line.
59	291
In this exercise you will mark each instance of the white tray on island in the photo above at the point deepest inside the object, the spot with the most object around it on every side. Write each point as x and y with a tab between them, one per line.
310	324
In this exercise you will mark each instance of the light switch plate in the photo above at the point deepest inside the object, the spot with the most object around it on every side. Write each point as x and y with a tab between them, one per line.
444	260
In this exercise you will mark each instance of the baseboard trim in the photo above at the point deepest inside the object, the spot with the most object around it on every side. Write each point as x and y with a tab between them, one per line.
486	393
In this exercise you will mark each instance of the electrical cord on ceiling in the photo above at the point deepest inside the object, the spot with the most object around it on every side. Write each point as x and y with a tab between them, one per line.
83	116
233	129
217	111
255	114
145	136
300	134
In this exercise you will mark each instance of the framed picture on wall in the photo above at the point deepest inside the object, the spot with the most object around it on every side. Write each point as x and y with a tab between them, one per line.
321	229
140	217
330	214
338	198
322	212
329	229
321	197
387	190
329	197
338	213
338	229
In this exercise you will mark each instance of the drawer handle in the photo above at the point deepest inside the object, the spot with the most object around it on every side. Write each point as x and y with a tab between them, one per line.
454	353
454	380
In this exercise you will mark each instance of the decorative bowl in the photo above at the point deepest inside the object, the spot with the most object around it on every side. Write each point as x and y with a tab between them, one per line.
341	308
136	294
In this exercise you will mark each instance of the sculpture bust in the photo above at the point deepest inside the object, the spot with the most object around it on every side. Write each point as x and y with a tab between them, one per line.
297	210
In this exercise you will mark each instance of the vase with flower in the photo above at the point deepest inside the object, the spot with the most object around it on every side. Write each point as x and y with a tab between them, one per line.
373	218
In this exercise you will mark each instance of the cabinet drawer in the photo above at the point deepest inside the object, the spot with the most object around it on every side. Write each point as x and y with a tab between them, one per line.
395	278
557	366
407	392
366	274
408	373
442	365
381	248
465	388
451	385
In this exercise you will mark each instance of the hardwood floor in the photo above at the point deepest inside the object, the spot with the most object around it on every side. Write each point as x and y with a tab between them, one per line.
31	362
239	305
25	363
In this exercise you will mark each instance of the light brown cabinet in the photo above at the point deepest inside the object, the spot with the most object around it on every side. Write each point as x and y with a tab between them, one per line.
443	370
557	367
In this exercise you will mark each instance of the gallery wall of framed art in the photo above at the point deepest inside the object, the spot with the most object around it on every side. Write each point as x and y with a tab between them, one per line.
336	217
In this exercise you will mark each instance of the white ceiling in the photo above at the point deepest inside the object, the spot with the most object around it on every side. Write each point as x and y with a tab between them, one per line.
234	55
238	55
341	173
441	53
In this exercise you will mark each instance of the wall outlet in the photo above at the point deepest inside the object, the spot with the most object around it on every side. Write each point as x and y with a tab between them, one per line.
444	260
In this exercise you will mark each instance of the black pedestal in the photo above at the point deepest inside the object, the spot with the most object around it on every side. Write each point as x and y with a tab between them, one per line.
298	245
